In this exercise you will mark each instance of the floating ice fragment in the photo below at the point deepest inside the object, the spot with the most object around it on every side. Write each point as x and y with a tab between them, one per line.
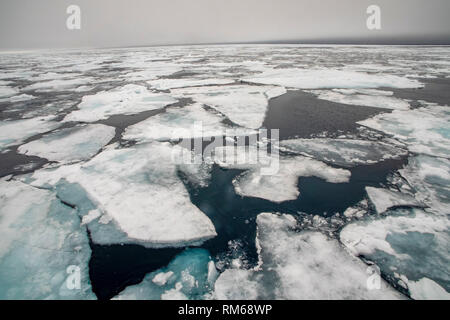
166	84
299	265
129	99
41	238
72	144
384	199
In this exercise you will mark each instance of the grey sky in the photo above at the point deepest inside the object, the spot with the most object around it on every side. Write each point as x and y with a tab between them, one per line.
42	23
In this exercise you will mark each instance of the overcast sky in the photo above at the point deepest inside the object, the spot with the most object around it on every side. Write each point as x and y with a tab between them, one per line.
106	23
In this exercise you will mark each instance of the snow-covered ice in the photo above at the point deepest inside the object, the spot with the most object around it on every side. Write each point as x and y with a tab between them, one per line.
344	152
384	199
330	78
129	99
166	84
299	265
242	104
192	121
370	99
72	144
128	183
17	131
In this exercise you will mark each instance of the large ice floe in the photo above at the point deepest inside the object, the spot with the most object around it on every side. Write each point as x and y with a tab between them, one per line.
344	152
384	199
424	130
330	78
15	132
271	177
242	104
192	121
42	243
410	246
166	84
299	265
139	195
72	144
129	99
365	97
190	275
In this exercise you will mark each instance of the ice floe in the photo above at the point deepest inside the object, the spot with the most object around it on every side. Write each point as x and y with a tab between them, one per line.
138	189
330	78
424	130
369	99
129	99
192	121
299	265
166	84
72	144
384	199
59	84
186	277
344	152
244	105
17	131
41	240
430	178
406	245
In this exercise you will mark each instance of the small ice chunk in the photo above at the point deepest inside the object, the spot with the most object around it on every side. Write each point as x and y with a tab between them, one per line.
16	131
384	199
59	84
129	99
161	278
72	144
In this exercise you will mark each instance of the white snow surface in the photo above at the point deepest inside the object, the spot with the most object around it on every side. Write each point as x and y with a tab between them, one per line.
384	199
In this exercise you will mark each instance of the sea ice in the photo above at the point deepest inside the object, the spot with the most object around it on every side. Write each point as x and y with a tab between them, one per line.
166	84
405	245
367	100
299	265
72	144
242	104
192	121
127	183
330	78
344	152
17	131
384	199
129	99
186	277
41	239
424	130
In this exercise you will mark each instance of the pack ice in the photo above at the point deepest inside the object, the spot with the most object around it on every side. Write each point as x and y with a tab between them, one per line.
41	239
129	99
299	265
72	144
138	191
